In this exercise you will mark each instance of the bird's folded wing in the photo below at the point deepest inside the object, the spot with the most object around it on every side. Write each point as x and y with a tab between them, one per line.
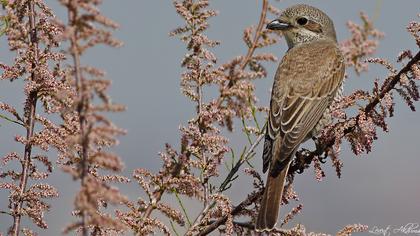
306	82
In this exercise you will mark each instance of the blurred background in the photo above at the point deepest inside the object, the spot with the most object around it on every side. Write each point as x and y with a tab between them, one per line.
378	189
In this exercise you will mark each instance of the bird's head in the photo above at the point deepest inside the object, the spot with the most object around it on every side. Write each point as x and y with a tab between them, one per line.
303	23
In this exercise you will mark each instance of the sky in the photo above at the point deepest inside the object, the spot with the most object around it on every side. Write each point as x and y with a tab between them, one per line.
377	189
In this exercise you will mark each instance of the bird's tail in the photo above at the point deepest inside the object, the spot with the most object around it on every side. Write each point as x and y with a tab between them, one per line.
270	203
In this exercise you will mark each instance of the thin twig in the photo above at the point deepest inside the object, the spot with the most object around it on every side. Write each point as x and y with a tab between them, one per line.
30	123
84	133
6	213
202	130
251	49
240	162
173	227
183	208
257	34
11	120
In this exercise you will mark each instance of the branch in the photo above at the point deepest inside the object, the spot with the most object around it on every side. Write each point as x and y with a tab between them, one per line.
305	157
236	210
391	85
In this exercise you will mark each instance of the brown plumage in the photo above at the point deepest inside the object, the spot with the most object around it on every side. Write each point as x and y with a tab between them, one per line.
307	80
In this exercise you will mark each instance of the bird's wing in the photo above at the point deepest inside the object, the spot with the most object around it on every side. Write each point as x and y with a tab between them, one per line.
304	86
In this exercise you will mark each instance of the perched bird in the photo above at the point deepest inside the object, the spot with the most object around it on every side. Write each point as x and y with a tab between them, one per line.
308	79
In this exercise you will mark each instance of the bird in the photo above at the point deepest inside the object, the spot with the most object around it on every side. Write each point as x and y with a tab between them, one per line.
308	79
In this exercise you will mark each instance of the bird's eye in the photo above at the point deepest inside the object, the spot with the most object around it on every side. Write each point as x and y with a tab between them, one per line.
302	21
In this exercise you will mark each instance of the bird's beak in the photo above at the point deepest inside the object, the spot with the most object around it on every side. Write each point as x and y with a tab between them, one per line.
278	24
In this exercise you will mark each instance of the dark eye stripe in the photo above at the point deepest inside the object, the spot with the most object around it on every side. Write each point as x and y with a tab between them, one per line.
313	26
